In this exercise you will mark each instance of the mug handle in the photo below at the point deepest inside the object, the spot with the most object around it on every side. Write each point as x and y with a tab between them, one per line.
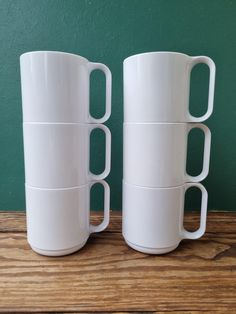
102	67
106	209
107	169
208	61
198	233
206	154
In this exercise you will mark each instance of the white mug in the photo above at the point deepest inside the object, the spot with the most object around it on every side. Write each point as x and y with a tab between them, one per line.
57	155
152	220
58	219
55	87
155	154
156	87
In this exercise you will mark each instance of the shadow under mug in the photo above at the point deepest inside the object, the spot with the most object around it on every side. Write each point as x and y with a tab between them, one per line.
58	219
155	153
56	86
57	155
152	218
156	87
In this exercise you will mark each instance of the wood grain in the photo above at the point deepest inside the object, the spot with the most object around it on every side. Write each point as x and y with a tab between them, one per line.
108	276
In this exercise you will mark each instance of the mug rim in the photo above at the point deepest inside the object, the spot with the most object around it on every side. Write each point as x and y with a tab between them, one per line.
53	52
56	123
155	123
77	187
152	188
155	53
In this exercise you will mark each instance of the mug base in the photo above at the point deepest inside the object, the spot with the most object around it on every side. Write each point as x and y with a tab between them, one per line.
148	250
57	252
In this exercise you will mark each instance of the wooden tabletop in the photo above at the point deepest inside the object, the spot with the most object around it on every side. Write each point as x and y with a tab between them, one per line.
108	276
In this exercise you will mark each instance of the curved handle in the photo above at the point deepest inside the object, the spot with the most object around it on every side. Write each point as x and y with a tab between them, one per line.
198	233
208	61
99	66
106	209
107	169
206	154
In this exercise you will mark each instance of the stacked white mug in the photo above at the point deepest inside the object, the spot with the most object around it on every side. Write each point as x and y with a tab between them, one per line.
57	126
157	122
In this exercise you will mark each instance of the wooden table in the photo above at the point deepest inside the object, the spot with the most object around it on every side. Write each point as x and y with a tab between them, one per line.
108	276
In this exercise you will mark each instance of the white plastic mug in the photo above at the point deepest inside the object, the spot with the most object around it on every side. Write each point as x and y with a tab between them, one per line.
57	155
155	154
152	220
58	220
156	87
55	87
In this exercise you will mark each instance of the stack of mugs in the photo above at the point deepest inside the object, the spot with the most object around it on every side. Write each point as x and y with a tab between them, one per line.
157	122
57	127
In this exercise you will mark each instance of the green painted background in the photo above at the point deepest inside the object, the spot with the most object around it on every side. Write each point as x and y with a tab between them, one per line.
108	31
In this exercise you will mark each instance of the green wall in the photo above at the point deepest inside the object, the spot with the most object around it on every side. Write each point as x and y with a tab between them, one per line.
108	31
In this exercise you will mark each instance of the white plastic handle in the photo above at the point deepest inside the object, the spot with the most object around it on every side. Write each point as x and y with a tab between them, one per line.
206	154
106	209
208	61
107	169
203	216
99	66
